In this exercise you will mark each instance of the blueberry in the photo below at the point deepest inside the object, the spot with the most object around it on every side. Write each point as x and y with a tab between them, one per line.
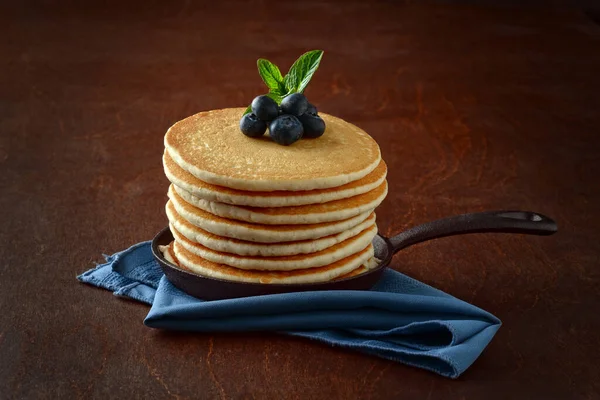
265	108
311	110
251	126
294	104
286	129
313	125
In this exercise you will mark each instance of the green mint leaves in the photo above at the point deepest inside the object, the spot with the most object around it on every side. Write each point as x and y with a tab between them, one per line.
302	71
295	81
271	75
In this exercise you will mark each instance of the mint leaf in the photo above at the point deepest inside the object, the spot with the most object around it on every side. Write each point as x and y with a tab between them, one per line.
302	71
271	75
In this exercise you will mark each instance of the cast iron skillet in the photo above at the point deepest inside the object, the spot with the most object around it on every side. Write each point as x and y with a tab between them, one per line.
492	221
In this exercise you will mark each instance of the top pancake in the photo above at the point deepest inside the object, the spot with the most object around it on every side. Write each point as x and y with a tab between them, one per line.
210	146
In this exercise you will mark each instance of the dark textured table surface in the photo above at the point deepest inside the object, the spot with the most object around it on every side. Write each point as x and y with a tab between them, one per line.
475	108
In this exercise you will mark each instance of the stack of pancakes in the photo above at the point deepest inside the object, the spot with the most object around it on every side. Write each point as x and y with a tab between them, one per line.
250	210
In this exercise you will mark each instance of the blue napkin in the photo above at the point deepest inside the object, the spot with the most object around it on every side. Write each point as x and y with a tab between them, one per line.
400	319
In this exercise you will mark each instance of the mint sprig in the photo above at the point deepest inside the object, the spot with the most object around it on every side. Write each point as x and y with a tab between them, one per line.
295	81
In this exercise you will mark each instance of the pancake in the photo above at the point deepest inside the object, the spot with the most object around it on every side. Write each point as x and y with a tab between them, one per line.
245	248
307	214
360	270
283	263
210	146
259	232
204	190
371	263
204	267
167	252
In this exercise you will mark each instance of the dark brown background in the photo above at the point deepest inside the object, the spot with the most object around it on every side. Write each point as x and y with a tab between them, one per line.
475	107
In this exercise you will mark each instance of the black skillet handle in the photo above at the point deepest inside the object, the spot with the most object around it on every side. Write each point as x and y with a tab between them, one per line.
491	221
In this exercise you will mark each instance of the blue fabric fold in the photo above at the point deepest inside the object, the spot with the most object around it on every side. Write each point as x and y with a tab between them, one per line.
400	319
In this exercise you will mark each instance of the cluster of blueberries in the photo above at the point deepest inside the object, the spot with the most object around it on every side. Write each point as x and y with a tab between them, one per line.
294	119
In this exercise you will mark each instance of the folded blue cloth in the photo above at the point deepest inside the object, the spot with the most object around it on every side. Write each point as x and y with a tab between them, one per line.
400	319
